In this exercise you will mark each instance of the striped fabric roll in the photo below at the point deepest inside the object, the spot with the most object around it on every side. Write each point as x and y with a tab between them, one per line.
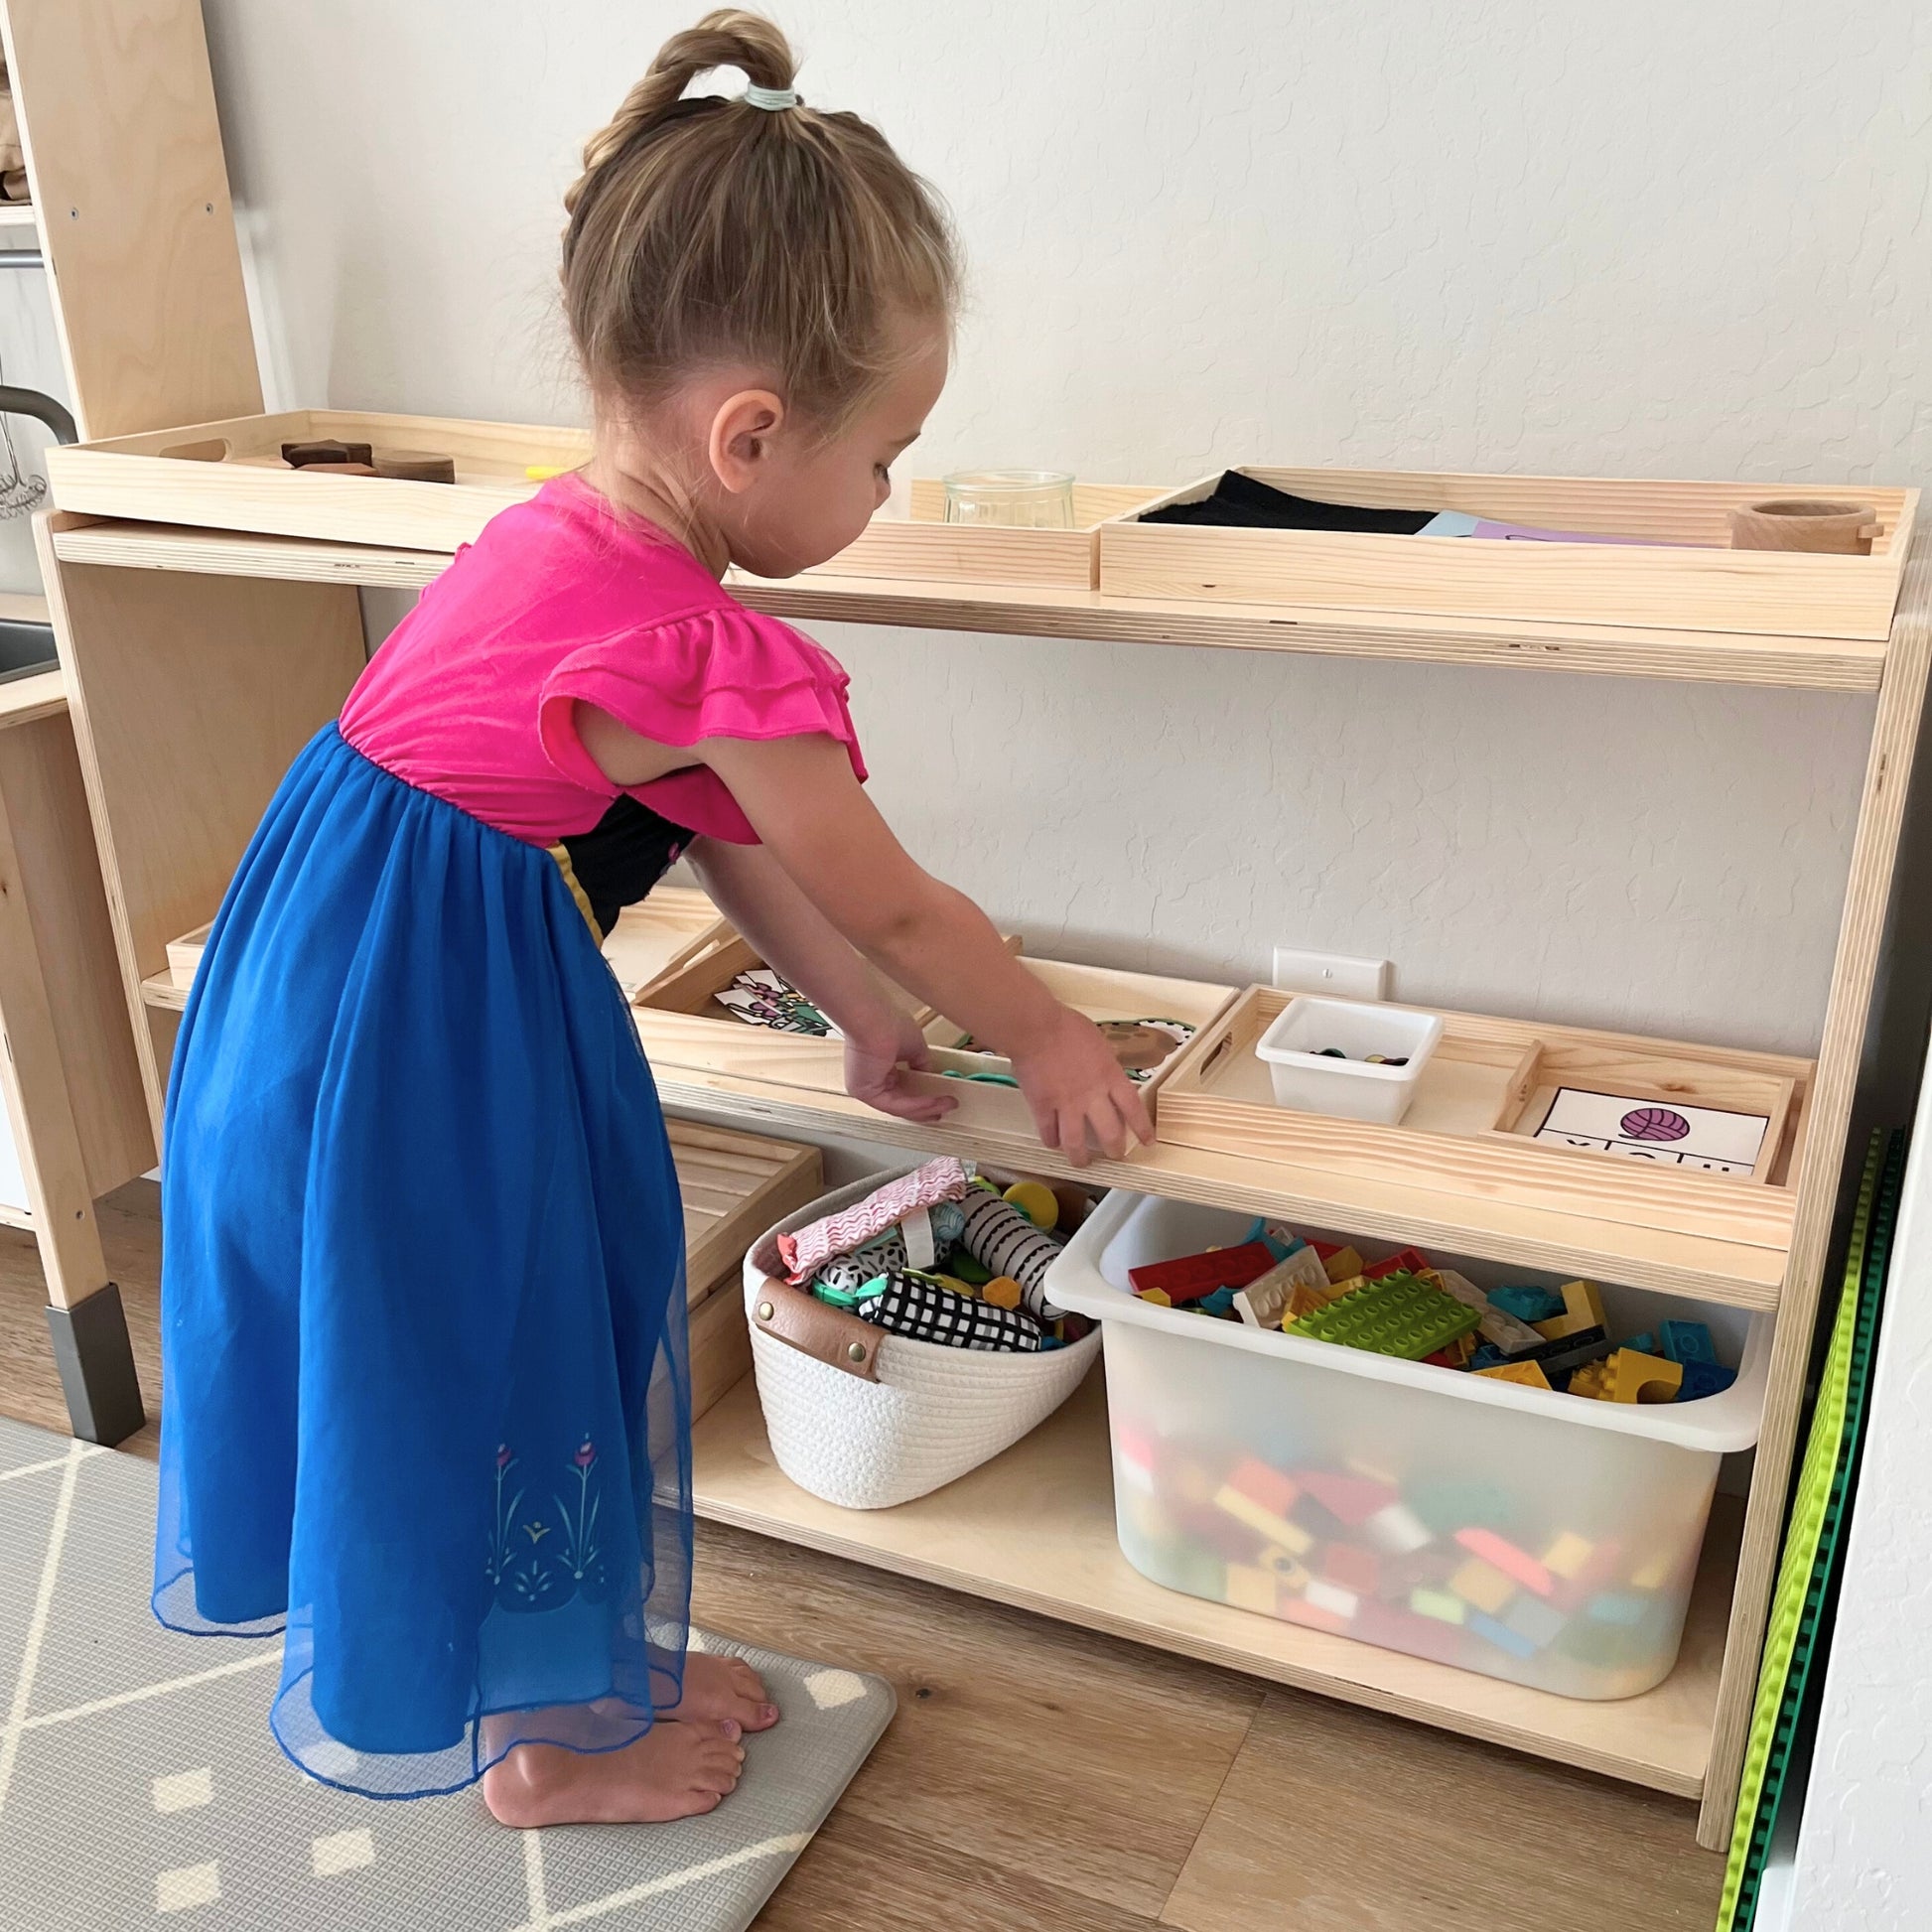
1001	1238
923	1310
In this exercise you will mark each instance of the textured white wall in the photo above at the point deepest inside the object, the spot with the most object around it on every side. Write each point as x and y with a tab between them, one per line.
1649	238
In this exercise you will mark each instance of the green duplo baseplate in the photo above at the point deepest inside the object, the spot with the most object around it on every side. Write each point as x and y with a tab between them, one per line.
1398	1316
1811	1547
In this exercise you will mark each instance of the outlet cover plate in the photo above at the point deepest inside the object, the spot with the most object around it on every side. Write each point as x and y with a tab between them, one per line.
1334	973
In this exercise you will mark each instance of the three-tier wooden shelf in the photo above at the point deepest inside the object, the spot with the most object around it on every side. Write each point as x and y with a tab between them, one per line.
203	649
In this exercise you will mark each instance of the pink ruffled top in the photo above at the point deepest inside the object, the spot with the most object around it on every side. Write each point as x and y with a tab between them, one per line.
559	598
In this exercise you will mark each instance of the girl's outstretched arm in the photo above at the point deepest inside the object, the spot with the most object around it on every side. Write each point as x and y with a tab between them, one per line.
757	894
816	821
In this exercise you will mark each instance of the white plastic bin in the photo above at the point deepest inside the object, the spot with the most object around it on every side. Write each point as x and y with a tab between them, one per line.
1531	1535
1313	1082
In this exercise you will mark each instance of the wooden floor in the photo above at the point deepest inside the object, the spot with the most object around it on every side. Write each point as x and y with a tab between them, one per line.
1038	1776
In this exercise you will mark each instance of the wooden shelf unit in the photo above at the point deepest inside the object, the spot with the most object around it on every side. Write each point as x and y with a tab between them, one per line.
1035	1529
253	641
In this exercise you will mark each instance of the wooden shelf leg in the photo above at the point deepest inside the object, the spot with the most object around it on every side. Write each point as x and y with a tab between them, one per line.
1875	850
88	1326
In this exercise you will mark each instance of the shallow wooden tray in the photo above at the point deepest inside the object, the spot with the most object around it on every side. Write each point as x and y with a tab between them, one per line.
1466	1131
231	475
1709	588
927	547
661	935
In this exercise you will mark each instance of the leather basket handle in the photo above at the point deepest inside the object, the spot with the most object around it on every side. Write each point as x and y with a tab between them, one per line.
815	1329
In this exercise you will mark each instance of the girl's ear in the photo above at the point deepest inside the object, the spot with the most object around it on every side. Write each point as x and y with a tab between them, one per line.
741	436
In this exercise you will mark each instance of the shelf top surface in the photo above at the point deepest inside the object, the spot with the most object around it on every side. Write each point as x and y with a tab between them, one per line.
1735	1273
1825	663
1058	1556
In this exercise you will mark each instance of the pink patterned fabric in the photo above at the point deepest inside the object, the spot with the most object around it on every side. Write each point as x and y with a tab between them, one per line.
562	597
808	1249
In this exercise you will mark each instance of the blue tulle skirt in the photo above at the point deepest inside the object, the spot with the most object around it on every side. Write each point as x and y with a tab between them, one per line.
426	1396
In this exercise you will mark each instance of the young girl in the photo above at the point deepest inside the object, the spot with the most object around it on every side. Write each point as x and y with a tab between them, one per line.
425	1336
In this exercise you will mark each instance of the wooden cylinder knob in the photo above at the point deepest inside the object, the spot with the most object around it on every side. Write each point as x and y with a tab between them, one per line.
1791	523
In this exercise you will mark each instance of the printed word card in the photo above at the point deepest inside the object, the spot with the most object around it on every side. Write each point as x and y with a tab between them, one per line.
1671	1134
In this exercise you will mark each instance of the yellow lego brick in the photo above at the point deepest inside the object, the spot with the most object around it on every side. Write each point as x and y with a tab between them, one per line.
1656	1573
1592	1380
1158	1296
1291	1537
1582	1307
1340	1267
1251	1590
1529	1374
1482	1585
1288	1570
1567	1555
1303	1299
1635	1377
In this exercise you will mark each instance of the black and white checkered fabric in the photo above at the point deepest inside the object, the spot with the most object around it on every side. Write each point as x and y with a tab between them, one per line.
924	1310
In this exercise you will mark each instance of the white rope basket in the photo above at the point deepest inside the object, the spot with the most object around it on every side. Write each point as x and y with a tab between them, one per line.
932	1414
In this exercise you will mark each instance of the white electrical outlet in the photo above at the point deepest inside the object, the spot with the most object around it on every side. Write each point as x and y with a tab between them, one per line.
1331	972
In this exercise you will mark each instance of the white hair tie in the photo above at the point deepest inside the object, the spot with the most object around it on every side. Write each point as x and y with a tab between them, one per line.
772	99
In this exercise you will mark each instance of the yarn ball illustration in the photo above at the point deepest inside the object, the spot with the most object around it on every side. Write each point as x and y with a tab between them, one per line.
1653	1123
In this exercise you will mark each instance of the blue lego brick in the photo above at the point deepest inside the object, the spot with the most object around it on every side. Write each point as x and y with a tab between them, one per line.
1527	1303
1501	1635
1687	1341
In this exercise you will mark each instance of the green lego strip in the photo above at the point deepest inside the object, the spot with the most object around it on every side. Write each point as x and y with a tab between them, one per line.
1398	1316
1810	1557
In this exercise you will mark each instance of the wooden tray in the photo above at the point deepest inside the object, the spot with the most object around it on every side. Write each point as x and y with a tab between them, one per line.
1478	1102
1102	994
927	547
735	1186
1713	588
231	475
664	933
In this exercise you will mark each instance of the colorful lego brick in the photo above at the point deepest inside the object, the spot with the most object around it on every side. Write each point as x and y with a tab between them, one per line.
1592	1381
1685	1341
1297	1609
1400	1317
1189	1277
1250	1589
1221	1303
1483	1586
1396	1531
1405	1261
1280	1241
1159	1296
1264	1302
1568	1554
1273	1491
1303	1299
1500	1330
1342	1263
1583	1308
1655	1573
1501	1635
1531	1618
1134	1467
1265	1523
1440	1604
1560	1359
1443	1358
1290	1571
1331	1597
1353	1567
1529	1374
1503	1554
1350	1500
1619	1606
1703	1378
1642	1378
1644	1344
1527	1304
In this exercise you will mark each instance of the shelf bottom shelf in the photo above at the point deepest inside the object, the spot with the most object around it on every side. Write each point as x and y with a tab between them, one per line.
1035	1529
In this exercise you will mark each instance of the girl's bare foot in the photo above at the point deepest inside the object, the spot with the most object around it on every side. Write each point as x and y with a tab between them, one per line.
675	1770
724	1686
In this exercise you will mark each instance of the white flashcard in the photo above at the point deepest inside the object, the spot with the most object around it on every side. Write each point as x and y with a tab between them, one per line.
1669	1133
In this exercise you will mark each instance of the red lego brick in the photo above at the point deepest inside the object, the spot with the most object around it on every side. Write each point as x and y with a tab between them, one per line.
1190	1276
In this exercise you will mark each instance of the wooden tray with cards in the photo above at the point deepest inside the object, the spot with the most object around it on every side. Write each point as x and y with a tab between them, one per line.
1695	1140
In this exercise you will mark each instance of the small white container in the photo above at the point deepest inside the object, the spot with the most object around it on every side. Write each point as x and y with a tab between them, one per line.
1313	1082
1538	1537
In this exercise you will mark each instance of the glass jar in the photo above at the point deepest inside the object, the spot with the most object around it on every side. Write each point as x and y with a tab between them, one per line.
1016	500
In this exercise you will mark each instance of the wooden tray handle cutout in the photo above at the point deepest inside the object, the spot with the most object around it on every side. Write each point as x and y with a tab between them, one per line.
214	450
815	1329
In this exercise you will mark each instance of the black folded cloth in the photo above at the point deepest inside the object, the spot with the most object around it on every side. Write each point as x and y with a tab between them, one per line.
1241	503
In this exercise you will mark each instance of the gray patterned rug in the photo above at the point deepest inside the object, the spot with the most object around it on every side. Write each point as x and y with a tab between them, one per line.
139	1786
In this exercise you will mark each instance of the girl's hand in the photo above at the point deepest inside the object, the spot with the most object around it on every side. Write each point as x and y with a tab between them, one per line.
874	1074
1078	1092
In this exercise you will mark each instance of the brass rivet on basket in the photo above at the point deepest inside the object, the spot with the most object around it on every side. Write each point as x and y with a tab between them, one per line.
765	1310
857	1352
